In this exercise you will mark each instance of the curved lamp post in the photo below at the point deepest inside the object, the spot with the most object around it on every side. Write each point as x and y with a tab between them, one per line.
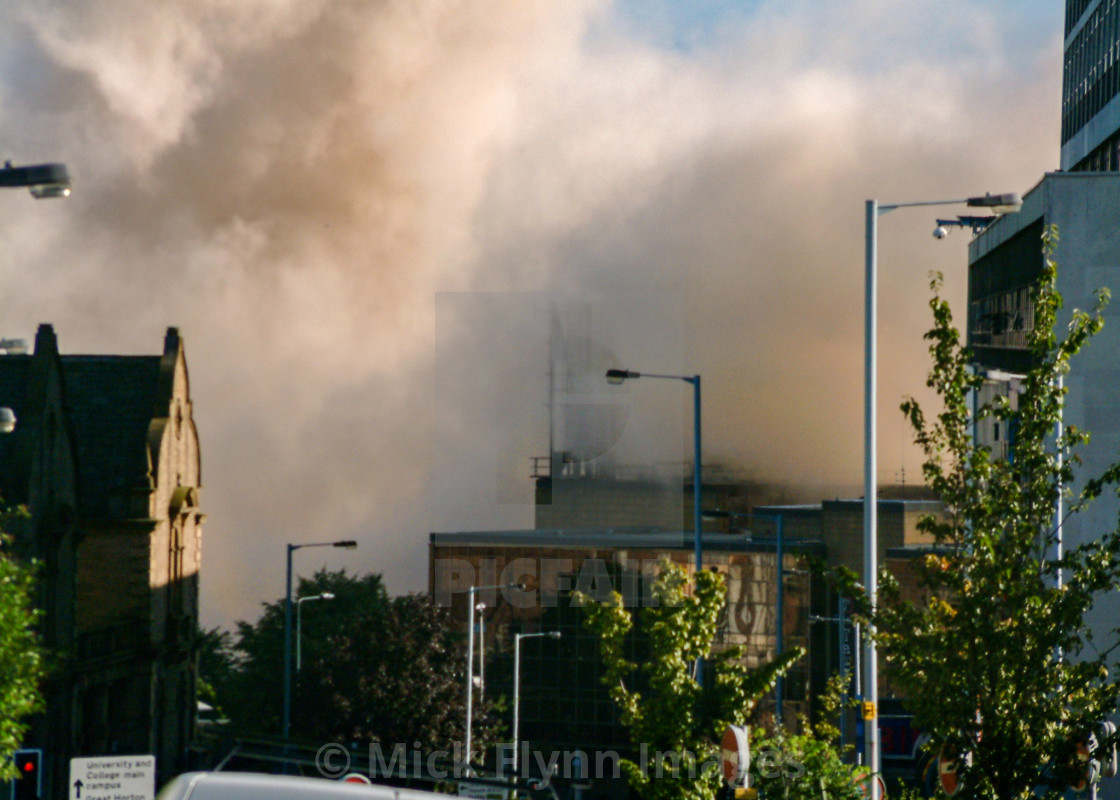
346	544
997	204
517	637
616	377
299	623
471	592
44	181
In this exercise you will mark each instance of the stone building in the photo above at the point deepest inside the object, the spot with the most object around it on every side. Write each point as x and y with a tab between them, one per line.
105	457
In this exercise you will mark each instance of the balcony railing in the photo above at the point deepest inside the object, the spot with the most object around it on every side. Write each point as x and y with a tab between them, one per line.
1005	319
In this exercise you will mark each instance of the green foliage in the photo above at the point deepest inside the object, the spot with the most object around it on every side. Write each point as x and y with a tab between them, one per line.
809	765
676	723
22	664
805	766
374	669
216	666
996	660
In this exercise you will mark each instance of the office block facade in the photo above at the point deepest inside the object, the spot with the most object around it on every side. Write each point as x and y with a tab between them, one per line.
1091	87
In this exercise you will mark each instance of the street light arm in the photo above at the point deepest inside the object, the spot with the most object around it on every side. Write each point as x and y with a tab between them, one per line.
345	544
617	376
1008	202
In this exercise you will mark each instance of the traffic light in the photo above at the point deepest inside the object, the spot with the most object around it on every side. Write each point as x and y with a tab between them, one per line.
29	782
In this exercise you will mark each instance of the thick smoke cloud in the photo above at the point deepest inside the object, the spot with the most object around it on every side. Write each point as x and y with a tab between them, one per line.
294	184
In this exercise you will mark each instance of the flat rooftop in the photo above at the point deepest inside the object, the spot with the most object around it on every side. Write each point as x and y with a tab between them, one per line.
617	539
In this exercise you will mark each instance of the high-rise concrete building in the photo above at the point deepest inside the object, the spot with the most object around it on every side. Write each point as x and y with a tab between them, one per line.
1091	87
1082	202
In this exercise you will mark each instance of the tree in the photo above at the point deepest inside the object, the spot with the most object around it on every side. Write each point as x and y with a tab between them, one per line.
996	661
216	666
22	664
398	677
374	669
809	765
673	720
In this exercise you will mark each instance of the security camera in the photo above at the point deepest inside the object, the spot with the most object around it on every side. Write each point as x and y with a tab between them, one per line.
940	232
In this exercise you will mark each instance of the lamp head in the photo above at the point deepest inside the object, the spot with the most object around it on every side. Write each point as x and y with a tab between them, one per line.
327	596
617	376
47	191
346	544
42	180
1008	203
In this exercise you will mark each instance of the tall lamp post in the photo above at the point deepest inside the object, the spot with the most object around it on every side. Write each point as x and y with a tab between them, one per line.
997	204
43	180
299	624
517	637
471	592
616	377
344	544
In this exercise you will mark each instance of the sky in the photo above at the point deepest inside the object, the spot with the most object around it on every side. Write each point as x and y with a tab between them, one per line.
369	218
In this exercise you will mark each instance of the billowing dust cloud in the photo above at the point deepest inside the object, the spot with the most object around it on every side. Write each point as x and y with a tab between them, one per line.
294	184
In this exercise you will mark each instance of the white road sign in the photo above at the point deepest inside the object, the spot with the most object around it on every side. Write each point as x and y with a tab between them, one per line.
113	778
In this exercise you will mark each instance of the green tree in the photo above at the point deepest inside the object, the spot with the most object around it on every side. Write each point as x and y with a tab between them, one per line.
397	676
217	658
674	721
997	661
374	668
809	765
22	664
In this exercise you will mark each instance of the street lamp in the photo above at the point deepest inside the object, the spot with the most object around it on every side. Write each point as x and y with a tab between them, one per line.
471	592
299	623
615	377
346	545
43	180
517	637
997	204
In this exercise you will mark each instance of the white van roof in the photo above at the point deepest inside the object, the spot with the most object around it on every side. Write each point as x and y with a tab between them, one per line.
255	786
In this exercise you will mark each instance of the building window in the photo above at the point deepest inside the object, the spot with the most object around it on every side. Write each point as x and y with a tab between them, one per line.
1004	319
